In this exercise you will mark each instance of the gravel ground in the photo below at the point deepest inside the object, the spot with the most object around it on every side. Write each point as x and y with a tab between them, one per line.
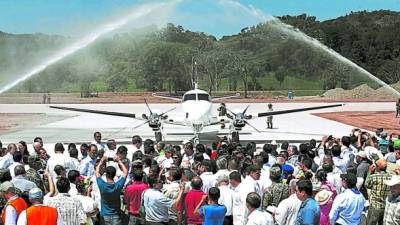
10	122
366	120
362	91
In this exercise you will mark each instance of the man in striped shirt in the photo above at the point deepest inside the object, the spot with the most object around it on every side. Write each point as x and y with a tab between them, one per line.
379	192
392	210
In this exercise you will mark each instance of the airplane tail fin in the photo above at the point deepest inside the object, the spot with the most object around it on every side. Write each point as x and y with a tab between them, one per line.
194	74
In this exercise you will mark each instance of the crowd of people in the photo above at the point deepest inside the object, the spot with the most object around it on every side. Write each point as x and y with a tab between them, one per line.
346	181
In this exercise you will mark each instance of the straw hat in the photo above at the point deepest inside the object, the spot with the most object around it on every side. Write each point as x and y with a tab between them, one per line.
323	196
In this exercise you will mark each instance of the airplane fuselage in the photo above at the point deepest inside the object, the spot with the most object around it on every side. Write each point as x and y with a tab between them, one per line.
196	105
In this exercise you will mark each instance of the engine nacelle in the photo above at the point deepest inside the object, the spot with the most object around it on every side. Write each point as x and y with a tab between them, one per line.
155	125
239	124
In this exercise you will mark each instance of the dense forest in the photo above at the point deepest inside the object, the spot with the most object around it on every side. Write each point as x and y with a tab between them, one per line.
267	56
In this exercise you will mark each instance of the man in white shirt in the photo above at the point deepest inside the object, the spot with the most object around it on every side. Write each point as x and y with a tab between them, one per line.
286	212
7	160
111	149
226	198
347	152
136	146
88	164
97	141
59	159
36	148
168	161
337	159
255	216
222	165
239	201
17	158
207	176
251	181
73	156
189	153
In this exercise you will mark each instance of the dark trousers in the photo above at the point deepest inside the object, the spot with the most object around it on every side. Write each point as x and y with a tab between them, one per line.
158	223
375	216
172	222
135	220
228	220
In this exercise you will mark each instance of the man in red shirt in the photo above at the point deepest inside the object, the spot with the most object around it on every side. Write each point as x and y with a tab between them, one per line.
193	198
133	197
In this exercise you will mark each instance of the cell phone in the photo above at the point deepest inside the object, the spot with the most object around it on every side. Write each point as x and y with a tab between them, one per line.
110	160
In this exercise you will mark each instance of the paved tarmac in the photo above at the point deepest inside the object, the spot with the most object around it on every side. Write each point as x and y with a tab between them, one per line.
79	127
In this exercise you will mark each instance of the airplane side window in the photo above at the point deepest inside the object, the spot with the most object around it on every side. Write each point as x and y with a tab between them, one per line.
189	97
204	97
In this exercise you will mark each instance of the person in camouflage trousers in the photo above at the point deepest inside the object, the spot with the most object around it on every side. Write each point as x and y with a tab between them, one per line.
32	174
277	191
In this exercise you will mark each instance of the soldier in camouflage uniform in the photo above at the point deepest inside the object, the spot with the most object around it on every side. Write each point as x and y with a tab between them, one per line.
32	174
277	191
398	108
269	118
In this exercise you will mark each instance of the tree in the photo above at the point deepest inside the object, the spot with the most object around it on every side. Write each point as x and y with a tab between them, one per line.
213	63
117	82
390	71
280	75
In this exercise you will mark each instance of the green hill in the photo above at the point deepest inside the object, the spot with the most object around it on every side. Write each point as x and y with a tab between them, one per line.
262	57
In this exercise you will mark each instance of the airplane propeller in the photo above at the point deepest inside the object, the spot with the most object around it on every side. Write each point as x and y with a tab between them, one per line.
154	119
240	119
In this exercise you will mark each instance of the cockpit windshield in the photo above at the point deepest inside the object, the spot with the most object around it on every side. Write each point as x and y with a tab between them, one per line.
189	97
200	97
204	97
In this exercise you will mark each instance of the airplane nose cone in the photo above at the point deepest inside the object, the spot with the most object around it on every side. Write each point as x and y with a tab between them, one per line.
196	111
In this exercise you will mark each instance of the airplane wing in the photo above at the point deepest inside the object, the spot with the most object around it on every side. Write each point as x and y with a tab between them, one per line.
175	98
130	115
295	110
226	97
173	122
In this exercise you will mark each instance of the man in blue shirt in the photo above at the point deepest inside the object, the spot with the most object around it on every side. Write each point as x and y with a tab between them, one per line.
110	192
309	210
347	206
212	213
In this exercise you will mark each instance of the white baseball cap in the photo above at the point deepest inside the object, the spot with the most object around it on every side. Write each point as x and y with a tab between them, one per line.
395	180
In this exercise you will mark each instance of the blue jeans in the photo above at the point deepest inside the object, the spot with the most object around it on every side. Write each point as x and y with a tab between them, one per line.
133	220
112	220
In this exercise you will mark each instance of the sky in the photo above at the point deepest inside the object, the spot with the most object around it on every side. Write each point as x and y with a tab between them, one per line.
216	17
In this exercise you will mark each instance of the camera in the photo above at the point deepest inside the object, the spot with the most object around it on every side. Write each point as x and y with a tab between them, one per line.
110	160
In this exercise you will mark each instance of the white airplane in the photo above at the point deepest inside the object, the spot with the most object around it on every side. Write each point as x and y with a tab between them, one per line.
196	105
